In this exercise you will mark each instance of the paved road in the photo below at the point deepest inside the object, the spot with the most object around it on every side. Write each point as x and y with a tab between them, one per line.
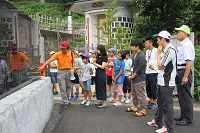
81	119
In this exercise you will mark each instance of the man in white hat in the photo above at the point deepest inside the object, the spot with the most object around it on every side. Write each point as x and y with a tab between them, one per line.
186	56
166	83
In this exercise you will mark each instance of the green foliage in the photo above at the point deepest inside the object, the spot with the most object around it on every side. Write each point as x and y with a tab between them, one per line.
157	15
79	42
5	32
54	10
197	73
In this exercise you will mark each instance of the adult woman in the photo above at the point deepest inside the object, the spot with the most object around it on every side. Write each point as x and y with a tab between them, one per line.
100	81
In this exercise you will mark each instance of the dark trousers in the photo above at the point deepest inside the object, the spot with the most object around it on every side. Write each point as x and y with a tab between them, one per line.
100	82
151	85
126	85
165	107
185	97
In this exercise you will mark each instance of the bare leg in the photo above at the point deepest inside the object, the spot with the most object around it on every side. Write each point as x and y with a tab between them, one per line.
120	98
89	95
115	95
85	95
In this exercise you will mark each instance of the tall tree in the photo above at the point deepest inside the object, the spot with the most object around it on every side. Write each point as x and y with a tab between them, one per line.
157	15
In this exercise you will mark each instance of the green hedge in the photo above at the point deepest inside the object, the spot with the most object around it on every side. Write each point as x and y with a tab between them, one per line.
197	73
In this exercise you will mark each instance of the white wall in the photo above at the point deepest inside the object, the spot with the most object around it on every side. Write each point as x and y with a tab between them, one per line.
93	31
27	110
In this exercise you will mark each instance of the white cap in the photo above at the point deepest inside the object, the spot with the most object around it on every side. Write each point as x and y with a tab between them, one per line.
52	52
75	52
164	34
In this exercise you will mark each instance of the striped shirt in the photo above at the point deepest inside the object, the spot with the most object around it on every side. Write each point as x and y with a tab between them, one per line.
166	77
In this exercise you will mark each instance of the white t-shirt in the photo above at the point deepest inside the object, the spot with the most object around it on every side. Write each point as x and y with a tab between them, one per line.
166	77
3	66
78	63
185	52
151	58
85	72
93	67
54	63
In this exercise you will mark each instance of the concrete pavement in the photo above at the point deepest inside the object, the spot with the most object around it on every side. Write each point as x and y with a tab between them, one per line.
80	119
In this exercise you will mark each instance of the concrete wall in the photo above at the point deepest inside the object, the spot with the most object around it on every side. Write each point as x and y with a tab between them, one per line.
27	110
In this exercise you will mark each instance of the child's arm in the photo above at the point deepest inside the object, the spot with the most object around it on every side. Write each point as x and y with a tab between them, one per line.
119	74
113	72
127	69
91	71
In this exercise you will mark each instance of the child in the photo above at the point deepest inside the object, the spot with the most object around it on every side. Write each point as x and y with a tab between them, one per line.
77	63
93	57
85	76
118	77
109	71
127	73
53	73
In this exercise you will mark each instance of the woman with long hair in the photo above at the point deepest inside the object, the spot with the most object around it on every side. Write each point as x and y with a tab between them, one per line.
100	63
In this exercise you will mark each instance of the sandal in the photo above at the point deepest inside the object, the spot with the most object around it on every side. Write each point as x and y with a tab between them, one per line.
140	114
131	109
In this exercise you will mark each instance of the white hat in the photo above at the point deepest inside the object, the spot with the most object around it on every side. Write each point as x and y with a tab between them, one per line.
164	34
75	52
52	52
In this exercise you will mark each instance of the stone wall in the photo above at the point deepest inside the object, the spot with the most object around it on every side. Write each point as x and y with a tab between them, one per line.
27	110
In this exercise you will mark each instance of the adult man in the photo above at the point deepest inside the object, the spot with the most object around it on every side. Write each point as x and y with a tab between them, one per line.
3	70
186	55
65	60
17	66
166	83
138	79
151	73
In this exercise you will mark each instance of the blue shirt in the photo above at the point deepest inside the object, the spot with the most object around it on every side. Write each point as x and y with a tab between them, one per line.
117	66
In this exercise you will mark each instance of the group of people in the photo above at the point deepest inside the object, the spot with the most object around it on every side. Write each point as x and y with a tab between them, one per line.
159	71
15	70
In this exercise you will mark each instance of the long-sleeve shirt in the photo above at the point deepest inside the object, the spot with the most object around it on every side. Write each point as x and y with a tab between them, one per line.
139	67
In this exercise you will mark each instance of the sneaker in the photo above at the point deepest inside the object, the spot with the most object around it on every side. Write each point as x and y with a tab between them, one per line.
109	95
98	104
152	123
123	99
128	101
71	97
111	100
55	92
65	104
76	97
117	104
162	130
83	102
89	103
152	106
102	106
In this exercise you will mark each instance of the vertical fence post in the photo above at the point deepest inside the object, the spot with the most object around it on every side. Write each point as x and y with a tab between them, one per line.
57	30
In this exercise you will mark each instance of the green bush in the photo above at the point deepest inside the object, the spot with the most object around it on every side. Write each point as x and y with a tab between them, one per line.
197	73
